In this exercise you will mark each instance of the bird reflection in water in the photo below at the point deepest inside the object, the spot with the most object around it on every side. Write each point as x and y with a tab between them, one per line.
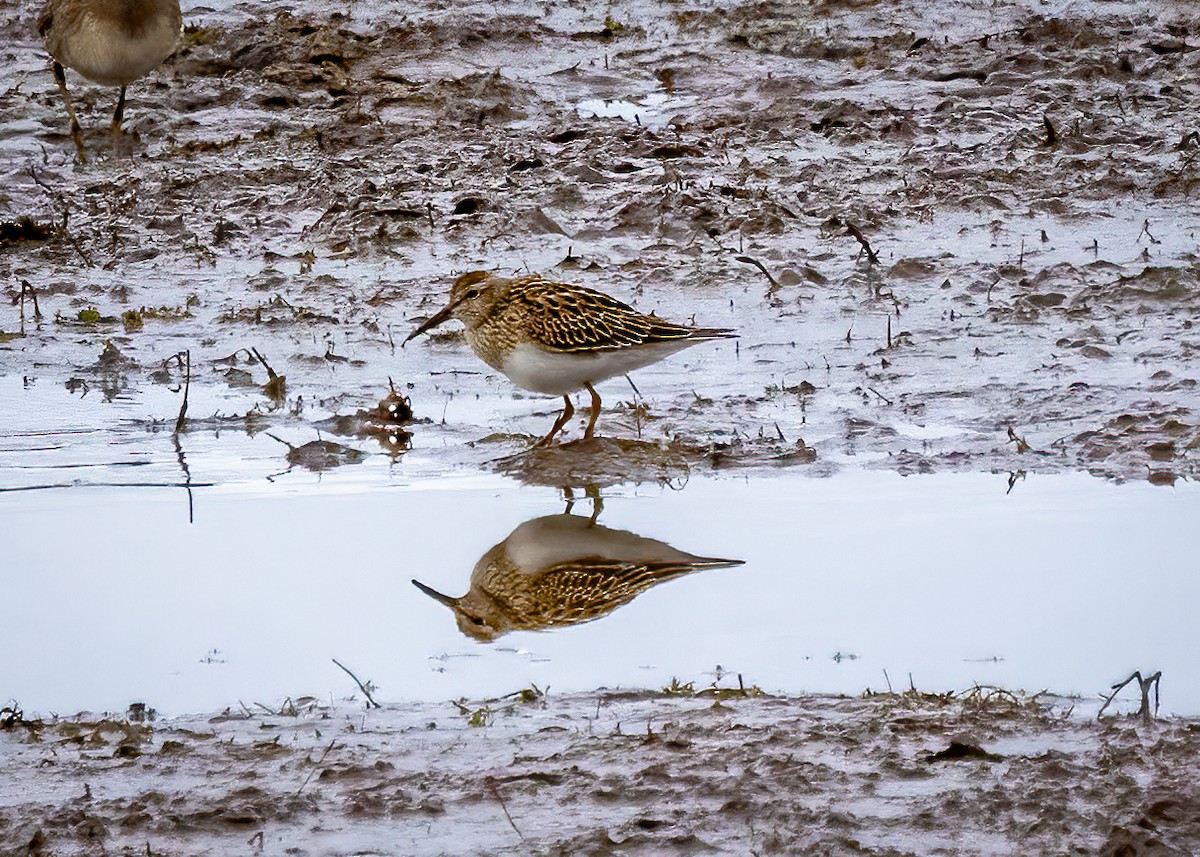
563	570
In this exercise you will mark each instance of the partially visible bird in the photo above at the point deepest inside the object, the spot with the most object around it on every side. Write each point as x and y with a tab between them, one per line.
113	42
563	570
556	338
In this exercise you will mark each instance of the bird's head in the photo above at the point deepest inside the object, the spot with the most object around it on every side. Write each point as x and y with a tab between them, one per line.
471	298
472	620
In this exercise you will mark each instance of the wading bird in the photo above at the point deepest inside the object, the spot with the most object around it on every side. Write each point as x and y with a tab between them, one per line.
112	42
556	338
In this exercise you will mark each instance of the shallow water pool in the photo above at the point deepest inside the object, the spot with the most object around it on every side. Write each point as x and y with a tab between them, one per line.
121	587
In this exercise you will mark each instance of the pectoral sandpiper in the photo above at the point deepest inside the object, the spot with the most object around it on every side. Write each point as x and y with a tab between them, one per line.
113	42
563	570
556	338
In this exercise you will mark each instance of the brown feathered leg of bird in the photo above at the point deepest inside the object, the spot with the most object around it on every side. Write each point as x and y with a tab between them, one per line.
60	77
568	412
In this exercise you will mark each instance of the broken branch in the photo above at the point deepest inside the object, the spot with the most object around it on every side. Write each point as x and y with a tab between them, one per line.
371	703
770	279
853	230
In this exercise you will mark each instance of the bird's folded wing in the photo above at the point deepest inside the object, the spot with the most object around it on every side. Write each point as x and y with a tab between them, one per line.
578	319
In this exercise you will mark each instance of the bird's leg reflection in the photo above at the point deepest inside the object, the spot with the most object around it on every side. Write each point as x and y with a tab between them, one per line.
592	492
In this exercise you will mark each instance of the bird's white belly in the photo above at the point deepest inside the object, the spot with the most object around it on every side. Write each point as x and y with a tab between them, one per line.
104	53
558	373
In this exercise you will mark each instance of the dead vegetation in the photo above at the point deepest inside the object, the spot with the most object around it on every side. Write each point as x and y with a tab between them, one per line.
743	772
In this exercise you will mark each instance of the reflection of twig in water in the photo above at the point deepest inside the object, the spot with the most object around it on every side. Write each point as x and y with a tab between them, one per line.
184	359
1144	684
187	477
371	703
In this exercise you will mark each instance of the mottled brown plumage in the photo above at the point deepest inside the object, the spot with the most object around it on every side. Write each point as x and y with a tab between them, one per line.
563	570
112	42
556	338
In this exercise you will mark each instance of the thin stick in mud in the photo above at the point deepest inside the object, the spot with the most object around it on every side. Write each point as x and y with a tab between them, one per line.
321	760
276	387
185	358
862	239
491	781
1051	134
26	288
371	703
775	285
1144	685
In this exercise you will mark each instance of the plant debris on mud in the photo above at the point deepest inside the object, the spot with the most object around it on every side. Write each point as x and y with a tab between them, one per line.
653	773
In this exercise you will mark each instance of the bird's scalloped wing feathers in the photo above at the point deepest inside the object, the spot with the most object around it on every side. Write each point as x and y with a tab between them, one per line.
573	318
589	587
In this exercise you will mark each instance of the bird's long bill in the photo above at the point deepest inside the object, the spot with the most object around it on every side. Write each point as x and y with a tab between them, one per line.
452	603
434	320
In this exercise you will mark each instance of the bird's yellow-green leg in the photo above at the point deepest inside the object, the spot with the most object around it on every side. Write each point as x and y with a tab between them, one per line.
591	426
60	77
119	114
568	412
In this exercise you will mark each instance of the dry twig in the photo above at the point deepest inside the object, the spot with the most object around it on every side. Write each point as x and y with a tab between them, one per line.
1144	685
185	358
491	781
316	767
853	230
371	703
775	285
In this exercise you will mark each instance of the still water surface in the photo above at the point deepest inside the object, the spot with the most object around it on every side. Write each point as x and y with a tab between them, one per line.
1067	583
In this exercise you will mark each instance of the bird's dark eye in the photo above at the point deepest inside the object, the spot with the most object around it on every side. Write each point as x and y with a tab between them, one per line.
472	293
477	620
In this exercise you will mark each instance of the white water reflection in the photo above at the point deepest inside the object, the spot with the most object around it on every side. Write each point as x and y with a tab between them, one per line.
653	110
1068	583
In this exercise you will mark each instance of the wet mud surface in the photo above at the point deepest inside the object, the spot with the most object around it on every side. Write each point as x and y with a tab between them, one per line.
609	773
305	182
958	236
